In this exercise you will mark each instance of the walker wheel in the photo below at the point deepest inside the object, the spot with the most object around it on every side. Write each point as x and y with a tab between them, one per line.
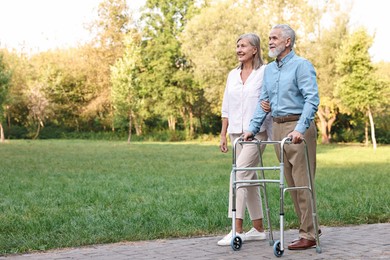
318	250
277	251
236	243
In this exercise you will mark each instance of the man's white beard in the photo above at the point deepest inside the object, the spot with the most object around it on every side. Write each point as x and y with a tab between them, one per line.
272	54
276	52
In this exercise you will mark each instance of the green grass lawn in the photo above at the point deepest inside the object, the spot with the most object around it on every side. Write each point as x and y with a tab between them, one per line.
65	193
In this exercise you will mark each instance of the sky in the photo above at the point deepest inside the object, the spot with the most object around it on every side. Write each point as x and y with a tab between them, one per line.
39	25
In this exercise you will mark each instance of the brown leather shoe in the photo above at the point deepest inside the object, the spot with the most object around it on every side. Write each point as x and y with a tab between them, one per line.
297	239
302	244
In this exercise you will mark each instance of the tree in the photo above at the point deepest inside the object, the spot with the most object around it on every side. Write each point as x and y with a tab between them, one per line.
212	50
63	78
39	107
324	59
16	105
102	52
125	92
382	70
358	88
167	76
4	87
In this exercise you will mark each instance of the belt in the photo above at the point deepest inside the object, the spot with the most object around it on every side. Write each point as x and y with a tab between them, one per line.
283	119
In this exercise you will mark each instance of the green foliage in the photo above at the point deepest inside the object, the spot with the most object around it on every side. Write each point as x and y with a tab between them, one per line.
212	50
5	76
325	59
348	128
321	49
109	31
21	71
125	92
357	87
16	132
63	83
166	72
111	26
73	193
166	77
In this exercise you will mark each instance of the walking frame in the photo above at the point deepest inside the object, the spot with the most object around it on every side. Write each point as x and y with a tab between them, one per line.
278	245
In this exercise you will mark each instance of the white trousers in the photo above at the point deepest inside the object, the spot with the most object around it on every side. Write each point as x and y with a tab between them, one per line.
247	197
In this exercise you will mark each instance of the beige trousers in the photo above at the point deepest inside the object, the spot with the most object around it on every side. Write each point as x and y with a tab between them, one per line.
248	197
295	172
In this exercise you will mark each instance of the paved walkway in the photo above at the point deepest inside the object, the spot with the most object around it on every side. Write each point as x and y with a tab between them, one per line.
353	242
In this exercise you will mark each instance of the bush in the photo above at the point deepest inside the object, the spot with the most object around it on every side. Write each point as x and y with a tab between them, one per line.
51	132
15	132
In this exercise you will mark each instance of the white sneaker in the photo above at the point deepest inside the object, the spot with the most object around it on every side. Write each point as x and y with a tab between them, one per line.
227	240
253	234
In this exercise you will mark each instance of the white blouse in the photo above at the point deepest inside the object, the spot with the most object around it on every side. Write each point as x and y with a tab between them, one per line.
240	101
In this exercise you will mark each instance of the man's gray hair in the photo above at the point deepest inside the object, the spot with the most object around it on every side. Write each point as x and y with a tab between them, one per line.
287	32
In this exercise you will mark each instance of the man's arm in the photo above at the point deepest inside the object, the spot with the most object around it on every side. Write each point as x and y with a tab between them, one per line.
256	122
307	84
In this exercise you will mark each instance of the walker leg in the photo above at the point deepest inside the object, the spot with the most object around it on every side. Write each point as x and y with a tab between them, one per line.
312	201
281	218
236	242
279	244
267	209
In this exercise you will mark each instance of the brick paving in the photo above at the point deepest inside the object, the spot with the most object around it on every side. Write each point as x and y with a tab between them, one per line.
352	242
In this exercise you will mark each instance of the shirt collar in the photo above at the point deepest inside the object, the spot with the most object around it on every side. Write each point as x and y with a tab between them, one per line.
285	59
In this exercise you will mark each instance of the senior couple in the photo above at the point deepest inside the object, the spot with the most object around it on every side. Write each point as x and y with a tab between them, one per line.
271	101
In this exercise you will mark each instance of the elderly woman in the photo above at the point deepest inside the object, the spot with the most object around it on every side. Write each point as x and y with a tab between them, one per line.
240	99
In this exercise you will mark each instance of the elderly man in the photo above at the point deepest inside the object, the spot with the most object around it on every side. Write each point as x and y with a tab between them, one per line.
290	92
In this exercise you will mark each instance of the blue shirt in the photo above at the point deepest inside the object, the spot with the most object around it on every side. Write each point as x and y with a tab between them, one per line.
291	87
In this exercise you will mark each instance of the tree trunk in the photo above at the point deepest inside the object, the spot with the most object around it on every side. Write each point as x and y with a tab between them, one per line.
366	134
373	138
129	136
172	123
185	120
188	121
77	125
38	130
329	127
8	118
2	139
326	121
138	127
323	129
191	124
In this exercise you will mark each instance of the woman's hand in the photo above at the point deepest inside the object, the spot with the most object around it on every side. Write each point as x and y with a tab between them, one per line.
265	106
223	144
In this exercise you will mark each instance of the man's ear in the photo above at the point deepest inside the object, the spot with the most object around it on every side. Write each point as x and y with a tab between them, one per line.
288	42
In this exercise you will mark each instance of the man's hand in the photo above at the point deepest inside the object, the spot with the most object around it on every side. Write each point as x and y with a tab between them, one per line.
265	106
223	144
296	137
247	136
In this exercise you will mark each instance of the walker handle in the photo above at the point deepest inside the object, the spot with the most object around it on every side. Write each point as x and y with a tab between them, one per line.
287	140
